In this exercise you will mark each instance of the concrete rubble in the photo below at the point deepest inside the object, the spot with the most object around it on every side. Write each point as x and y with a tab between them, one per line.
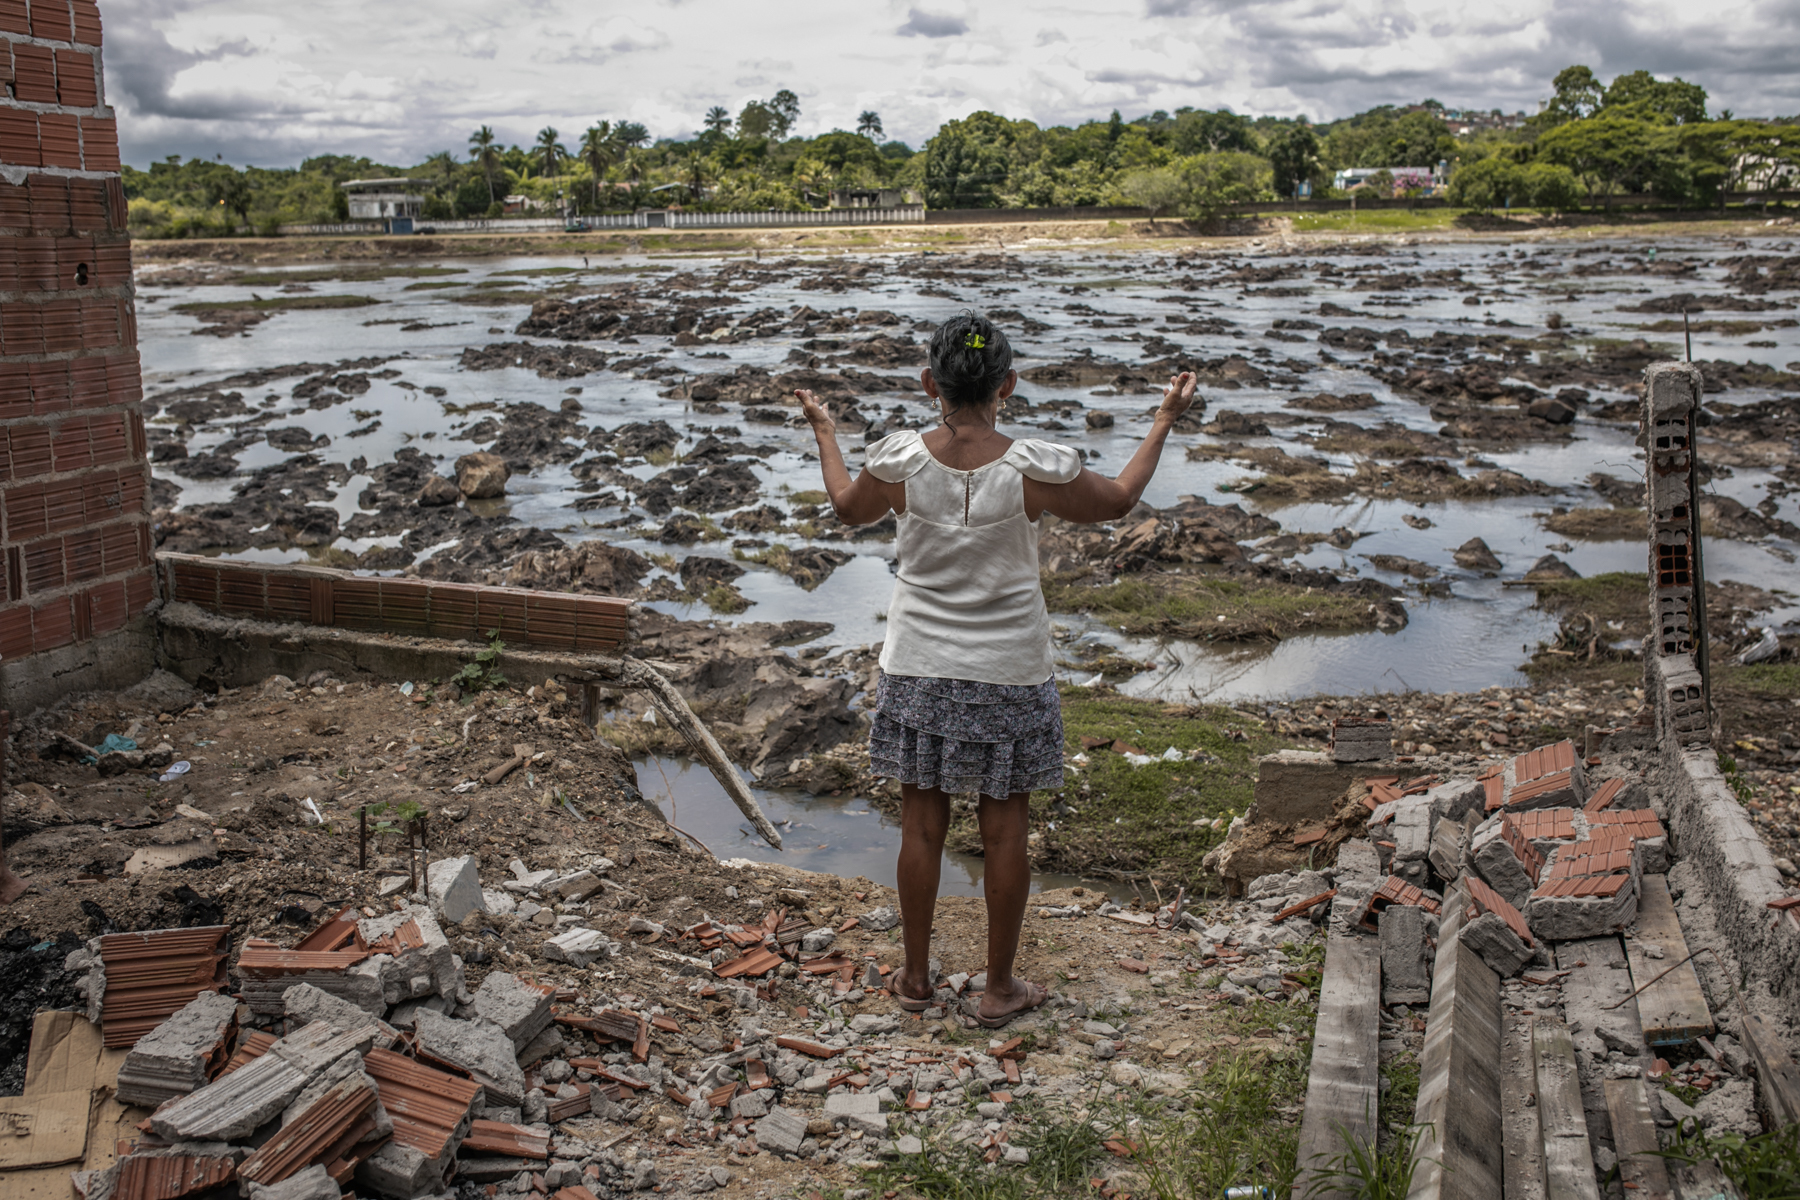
182	1054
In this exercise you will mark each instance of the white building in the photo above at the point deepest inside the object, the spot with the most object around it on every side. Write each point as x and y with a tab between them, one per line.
380	199
1404	177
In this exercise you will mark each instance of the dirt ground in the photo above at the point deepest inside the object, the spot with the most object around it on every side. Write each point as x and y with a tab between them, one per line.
267	814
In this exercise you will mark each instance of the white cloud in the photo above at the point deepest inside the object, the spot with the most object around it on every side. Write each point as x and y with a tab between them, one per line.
270	81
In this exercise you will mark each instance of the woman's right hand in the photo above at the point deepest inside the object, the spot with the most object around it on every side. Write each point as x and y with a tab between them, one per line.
817	415
1178	397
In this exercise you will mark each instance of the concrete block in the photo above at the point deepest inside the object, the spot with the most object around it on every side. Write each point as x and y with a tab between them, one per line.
1361	739
347	1069
428	956
1404	974
579	947
1498	866
843	1107
880	920
1356	876
401	1172
1458	798
1299	786
1449	840
1410	830
304	1003
1564	918
578	886
232	1107
781	1131
314	1047
312	1183
454	885
520	1009
749	1104
177	1056
815	940
1494	940
479	1047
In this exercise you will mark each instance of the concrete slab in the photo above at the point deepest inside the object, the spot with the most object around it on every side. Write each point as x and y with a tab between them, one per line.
177	1057
1521	1131
1343	1088
1568	1156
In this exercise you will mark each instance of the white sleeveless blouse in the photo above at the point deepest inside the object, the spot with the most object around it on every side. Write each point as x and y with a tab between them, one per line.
968	603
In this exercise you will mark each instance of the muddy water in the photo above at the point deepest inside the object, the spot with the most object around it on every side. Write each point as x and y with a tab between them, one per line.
1471	638
841	836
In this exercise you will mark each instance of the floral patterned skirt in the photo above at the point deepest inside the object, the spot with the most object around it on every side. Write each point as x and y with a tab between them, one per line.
961	736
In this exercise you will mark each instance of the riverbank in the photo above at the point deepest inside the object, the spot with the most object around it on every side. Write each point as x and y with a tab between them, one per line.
1302	230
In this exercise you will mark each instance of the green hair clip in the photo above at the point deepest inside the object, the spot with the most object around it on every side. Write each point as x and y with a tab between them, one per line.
975	341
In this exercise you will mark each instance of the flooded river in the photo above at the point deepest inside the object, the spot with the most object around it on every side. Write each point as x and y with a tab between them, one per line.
1468	632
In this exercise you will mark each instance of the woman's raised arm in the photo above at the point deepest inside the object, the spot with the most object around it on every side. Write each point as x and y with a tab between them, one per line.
1091	496
862	501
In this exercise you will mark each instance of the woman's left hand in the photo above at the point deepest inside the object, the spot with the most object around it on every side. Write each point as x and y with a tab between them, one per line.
817	415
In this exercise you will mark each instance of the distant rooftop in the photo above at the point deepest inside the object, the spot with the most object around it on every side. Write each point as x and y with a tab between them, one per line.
368	183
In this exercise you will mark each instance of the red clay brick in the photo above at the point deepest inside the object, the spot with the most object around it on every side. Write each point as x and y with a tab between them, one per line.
62	326
87	206
140	590
34	74
44	569
1545	760
15	397
53	624
15	632
50	392
60	136
109	607
87	23
71	447
13	18
99	323
15	206
19	144
51	20
29	451
100	143
77	84
21	329
1604	795
49	203
35	263
111	263
87	383
117	210
65	505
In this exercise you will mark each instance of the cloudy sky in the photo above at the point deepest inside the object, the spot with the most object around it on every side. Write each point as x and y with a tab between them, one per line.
271	81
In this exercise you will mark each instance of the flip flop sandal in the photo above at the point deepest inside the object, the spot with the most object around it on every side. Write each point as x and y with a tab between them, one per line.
911	1005
1002	1022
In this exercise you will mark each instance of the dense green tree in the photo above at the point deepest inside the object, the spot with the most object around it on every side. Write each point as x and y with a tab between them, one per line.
599	150
1644	96
1293	158
1195	132
548	153
968	162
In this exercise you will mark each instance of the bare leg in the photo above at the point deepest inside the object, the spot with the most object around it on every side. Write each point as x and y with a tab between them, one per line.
924	821
1006	880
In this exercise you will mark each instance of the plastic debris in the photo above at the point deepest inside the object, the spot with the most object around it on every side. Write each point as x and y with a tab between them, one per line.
175	771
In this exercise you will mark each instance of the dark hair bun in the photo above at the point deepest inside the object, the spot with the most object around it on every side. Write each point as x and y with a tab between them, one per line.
969	359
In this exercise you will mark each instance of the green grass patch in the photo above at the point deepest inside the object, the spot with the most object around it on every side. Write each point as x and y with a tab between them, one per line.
534	272
810	496
723	598
345	274
276	304
1121	821
433	285
1762	679
1208	608
1387	219
1614	596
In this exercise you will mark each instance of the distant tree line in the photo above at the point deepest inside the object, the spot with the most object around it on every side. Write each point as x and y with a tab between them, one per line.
1637	134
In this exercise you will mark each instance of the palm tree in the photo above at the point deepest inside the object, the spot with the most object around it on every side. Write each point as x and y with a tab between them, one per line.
550	152
809	173
599	151
631	134
486	156
718	119
869	125
442	167
697	172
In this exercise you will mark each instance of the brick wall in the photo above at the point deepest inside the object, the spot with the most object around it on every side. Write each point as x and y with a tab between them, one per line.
75	545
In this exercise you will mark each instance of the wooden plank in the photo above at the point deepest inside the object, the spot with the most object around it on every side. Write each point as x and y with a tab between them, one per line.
1343	1088
1597	979
1568	1158
1461	1157
1634	1135
1521	1131
1673	1010
1775	1072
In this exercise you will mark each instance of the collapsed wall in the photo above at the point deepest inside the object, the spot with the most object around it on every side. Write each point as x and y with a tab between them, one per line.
75	539
1709	824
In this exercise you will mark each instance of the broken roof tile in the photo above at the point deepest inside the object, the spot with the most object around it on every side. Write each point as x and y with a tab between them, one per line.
152	975
324	1133
431	1109
506	1139
1604	795
171	1177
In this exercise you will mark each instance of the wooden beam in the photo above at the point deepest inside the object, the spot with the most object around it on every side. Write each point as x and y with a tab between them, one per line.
1568	1158
1461	1155
638	674
1521	1131
1344	1086
1775	1071
1634	1135
1673	1009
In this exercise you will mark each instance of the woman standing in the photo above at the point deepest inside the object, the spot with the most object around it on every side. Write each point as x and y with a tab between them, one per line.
967	701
